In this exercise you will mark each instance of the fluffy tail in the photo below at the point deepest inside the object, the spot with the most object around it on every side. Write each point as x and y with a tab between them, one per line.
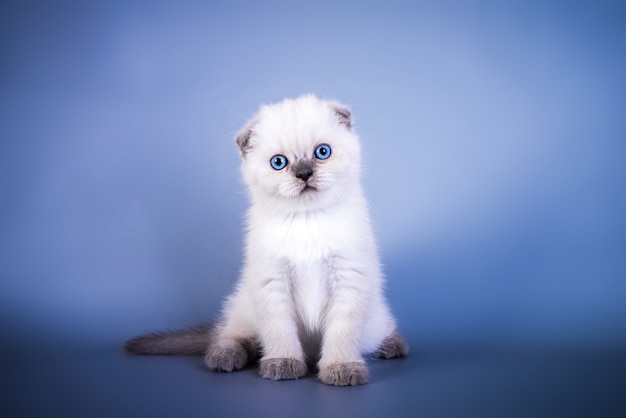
190	341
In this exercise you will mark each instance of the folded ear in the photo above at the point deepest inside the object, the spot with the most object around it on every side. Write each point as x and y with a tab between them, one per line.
243	137
343	114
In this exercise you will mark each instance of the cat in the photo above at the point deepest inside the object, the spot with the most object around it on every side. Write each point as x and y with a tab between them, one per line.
311	289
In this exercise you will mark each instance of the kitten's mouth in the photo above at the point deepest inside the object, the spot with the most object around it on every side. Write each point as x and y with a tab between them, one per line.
308	189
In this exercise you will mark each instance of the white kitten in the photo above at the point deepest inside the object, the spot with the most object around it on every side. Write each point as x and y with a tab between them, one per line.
311	288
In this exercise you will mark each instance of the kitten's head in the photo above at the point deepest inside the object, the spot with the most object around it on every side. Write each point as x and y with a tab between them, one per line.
300	153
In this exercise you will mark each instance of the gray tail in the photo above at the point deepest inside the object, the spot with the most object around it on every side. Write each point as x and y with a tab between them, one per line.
190	341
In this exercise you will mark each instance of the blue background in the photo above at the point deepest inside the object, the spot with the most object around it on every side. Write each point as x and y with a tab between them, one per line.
493	134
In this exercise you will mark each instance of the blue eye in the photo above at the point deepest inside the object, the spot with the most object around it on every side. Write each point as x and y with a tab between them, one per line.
278	162
322	152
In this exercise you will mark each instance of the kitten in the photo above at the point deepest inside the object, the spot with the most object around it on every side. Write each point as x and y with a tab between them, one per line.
311	288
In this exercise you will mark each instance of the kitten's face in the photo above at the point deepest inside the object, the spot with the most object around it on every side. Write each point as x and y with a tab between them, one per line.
300	153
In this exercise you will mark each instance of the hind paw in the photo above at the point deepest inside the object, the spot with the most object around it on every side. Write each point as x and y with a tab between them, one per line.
226	359
392	347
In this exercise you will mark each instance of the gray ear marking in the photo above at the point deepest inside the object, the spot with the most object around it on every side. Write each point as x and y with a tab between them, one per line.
243	141
243	137
343	114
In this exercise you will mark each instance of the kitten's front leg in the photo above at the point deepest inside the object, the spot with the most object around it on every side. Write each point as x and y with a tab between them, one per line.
341	363
283	357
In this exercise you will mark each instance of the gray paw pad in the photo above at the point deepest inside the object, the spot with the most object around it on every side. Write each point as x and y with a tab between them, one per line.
282	368
344	374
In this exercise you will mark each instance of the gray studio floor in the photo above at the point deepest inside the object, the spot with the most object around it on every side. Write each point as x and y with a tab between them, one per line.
431	382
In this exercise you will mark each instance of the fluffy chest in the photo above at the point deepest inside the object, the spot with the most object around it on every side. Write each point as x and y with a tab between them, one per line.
307	249
304	238
305	246
310	285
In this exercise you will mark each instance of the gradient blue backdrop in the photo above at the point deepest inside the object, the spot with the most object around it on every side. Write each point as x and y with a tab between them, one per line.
493	134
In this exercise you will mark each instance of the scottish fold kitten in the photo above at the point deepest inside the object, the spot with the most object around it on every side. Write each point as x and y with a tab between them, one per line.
311	289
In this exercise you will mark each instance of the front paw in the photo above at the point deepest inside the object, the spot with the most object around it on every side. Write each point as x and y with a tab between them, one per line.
282	368
226	359
344	374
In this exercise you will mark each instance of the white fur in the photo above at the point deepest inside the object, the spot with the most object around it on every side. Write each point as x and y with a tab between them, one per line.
311	260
